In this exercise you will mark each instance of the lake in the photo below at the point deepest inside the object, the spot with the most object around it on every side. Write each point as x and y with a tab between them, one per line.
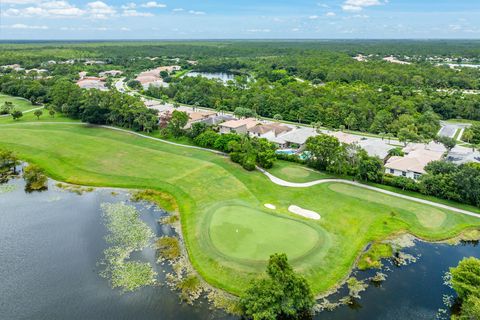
213	75
51	243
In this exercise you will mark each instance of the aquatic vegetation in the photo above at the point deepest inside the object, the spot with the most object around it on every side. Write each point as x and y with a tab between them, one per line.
161	199
379	277
7	188
224	301
126	233
355	286
35	178
190	288
371	259
168	248
74	188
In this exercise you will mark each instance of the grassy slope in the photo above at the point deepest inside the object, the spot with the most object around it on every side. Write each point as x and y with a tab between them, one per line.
203	182
19	103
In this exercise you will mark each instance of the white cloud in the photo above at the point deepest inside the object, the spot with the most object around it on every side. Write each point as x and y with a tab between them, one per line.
100	10
358	5
315	17
258	30
330	14
125	29
25	26
178	10
135	13
130	5
18	1
153	4
46	9
198	13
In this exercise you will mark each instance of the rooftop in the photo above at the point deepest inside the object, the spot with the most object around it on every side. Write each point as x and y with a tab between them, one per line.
233	124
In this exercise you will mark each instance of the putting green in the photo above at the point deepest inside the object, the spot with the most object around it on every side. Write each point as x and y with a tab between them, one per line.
244	233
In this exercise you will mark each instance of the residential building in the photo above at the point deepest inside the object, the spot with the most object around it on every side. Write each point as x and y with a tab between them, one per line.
298	136
112	73
412	165
238	126
92	83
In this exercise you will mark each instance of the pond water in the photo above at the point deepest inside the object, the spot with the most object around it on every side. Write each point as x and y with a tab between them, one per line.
51	243
212	75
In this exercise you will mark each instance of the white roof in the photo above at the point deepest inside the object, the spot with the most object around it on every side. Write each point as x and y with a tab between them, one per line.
299	135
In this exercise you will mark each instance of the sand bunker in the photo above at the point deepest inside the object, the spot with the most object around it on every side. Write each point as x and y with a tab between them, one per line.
270	206
304	212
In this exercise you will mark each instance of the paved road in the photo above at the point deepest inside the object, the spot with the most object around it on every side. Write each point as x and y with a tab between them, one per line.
273	178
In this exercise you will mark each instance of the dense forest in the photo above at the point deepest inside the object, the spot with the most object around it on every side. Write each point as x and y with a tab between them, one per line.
312	82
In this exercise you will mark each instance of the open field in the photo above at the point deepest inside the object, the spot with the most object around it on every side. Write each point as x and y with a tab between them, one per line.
18	103
216	198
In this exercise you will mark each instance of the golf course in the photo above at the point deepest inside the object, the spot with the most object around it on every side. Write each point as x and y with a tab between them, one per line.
228	231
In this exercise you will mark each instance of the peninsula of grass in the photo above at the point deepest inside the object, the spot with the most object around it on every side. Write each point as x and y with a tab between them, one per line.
216	198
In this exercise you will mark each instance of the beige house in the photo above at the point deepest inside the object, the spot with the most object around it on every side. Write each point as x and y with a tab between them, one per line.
238	126
92	83
412	165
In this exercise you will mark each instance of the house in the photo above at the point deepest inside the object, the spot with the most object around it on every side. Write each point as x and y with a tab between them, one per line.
112	73
376	147
199	116
344	137
15	67
92	83
297	137
238	126
260	130
412	165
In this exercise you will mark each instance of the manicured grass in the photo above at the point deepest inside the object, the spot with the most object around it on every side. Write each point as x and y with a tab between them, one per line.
248	234
295	172
203	183
18	103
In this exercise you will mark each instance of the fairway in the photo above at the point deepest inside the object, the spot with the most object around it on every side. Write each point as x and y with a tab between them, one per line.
295	172
18	103
247	234
217	197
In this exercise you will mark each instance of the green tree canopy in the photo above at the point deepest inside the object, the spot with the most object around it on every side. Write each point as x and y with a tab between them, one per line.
283	295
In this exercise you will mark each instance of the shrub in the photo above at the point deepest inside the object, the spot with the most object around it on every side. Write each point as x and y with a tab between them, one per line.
35	178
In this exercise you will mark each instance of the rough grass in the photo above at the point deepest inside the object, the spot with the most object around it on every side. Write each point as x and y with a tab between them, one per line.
201	181
371	258
162	199
168	248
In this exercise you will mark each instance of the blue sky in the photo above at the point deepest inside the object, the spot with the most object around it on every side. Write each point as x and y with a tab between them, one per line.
222	19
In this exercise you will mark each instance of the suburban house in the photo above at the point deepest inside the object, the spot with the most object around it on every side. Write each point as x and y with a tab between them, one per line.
199	116
272	132
238	126
297	137
274	128
92	83
376	148
412	165
112	73
152	77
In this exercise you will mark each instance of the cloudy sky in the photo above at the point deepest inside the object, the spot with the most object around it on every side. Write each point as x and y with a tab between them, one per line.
221	19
